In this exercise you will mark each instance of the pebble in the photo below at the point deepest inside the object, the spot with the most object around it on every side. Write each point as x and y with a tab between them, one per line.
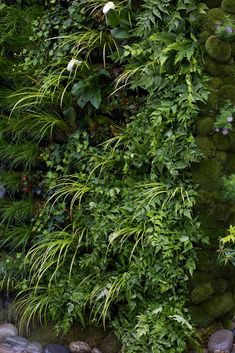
220	340
54	348
7	330
79	347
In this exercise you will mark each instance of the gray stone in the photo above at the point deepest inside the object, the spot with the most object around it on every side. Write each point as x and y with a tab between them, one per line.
33	347
7	330
54	348
79	347
95	350
233	348
16	340
220	340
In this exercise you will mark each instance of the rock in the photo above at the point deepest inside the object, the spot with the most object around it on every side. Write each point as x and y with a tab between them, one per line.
219	305
16	340
201	293
7	330
33	347
233	349
228	6
220	340
79	347
218	49
54	348
110	344
200	317
95	350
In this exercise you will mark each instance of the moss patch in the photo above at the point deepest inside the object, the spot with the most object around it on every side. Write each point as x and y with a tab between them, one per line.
204	127
228	6
208	21
221	142
218	49
199	316
221	156
208	175
219	305
227	92
205	146
202	292
230	164
212	3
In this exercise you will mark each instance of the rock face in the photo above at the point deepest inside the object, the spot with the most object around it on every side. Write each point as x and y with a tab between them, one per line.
79	347
221	340
7	330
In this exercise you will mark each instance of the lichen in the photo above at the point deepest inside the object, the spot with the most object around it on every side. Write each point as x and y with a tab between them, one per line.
218	49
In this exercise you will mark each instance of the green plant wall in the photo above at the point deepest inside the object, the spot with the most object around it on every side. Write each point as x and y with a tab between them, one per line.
97	139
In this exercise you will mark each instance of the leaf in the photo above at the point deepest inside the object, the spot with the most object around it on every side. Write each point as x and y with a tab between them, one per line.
120	33
78	88
96	98
84	98
112	19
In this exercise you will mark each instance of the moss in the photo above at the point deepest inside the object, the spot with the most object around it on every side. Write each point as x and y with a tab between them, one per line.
218	49
215	83
212	101
208	175
199	277
212	3
232	219
199	317
221	142
204	127
202	292
230	163
208	21
229	70
221	156
206	260
232	140
205	146
219	305
233	49
202	37
228	6
227	92
220	285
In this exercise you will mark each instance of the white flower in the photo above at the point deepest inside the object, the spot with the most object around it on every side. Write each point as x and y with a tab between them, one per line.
108	6
72	63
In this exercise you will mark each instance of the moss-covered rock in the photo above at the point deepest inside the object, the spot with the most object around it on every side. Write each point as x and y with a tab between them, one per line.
208	175
218	49
204	126
232	140
214	68
205	146
201	293
221	156
221	142
230	163
228	6
220	285
199	317
199	277
206	259
219	305
209	20
227	92
215	83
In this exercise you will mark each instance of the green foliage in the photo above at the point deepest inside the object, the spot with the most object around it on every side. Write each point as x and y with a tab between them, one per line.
110	141
225	118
